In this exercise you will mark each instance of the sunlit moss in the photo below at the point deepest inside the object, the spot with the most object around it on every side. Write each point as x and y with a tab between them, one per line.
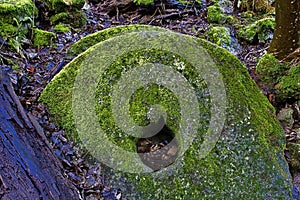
88	41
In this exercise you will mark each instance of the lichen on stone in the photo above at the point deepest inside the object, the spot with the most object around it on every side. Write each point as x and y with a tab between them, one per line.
294	161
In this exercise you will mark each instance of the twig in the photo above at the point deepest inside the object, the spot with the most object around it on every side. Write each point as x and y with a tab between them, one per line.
178	14
253	52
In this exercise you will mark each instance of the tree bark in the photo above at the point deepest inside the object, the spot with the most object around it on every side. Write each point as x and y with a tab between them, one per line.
28	167
286	38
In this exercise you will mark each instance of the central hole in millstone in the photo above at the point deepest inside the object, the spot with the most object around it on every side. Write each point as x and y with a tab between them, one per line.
158	151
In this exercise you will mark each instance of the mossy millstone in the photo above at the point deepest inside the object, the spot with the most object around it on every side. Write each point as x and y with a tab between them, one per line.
247	161
92	39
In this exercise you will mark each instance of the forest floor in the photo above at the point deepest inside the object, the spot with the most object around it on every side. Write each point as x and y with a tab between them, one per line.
37	66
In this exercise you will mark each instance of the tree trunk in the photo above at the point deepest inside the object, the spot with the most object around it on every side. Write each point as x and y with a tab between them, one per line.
287	30
28	167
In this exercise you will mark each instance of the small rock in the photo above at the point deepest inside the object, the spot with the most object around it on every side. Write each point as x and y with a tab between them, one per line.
285	117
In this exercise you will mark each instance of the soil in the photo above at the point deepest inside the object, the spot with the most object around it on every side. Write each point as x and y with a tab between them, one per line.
37	66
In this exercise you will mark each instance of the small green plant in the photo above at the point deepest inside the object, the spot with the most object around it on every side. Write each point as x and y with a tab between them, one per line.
15	67
143	2
215	14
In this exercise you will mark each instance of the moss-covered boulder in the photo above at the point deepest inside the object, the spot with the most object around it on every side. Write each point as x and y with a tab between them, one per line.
288	87
42	38
61	28
16	10
215	14
244	161
223	37
259	31
74	18
218	11
63	11
284	77
16	19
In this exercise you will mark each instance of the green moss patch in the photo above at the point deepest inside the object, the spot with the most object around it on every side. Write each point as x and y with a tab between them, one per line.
283	77
18	9
259	31
16	19
74	18
219	35
288	87
247	161
42	38
143	2
215	14
269	69
61	28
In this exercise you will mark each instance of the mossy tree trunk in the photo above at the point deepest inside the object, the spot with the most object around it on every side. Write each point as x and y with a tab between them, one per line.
28	167
287	30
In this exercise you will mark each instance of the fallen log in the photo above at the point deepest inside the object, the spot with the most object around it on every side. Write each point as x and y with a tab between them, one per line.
29	169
